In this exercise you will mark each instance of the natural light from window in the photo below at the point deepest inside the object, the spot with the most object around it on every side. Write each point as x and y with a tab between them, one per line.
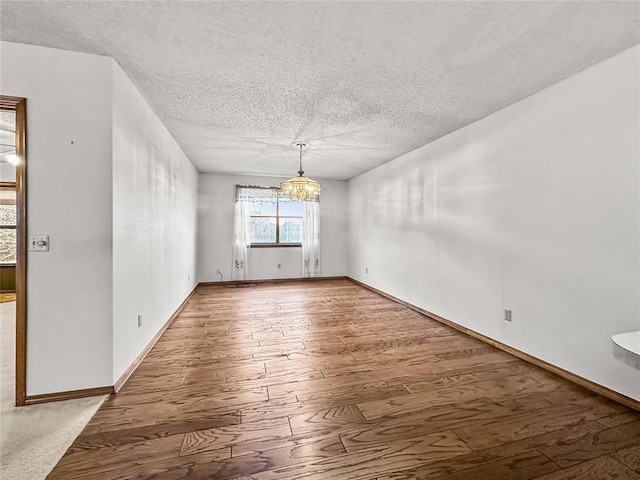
275	220
8	225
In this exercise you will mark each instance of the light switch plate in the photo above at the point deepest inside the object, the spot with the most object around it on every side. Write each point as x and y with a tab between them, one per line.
38	243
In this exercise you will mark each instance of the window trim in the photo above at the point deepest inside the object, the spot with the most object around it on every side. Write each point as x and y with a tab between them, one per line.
275	245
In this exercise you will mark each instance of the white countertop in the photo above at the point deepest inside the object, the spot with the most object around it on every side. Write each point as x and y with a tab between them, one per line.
629	341
626	348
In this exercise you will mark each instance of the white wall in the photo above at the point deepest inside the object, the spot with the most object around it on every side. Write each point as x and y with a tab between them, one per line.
69	198
155	194
118	198
534	208
215	221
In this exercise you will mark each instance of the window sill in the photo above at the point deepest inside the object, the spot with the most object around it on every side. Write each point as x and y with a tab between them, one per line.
275	245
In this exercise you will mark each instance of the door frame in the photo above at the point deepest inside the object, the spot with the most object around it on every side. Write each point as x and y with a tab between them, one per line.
19	106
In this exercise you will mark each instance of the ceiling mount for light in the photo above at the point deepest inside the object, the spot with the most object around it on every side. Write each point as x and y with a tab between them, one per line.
301	188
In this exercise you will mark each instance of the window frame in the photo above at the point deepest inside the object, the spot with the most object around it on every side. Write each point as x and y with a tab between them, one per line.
277	216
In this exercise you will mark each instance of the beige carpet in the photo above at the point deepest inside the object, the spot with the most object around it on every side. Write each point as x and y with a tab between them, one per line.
33	438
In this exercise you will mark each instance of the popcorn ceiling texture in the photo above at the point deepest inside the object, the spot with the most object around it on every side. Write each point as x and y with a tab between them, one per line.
362	82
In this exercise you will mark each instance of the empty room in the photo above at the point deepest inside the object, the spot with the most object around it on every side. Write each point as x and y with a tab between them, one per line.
320	240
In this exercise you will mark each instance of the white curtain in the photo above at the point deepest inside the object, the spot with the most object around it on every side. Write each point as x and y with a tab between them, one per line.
241	242
311	240
241	237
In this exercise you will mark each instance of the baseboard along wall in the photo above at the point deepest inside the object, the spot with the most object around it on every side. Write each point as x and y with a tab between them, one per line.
132	368
572	377
68	395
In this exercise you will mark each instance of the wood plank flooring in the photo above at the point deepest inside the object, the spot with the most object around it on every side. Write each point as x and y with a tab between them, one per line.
327	380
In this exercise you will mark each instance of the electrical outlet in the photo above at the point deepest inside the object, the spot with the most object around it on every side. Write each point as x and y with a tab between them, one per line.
139	320
188	277
366	270
279	265
507	315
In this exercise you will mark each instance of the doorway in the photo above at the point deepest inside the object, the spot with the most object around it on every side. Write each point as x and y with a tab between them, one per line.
13	229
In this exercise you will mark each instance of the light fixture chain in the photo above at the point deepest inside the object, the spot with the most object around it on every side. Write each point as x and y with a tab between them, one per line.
300	172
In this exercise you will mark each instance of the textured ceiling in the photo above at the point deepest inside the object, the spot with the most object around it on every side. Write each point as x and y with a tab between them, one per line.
362	82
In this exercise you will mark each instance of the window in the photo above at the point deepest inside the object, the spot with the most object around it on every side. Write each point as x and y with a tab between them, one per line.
8	224
274	219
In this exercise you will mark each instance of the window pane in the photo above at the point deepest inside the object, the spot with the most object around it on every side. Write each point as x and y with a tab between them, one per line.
290	208
264	203
290	230
263	230
7	214
7	245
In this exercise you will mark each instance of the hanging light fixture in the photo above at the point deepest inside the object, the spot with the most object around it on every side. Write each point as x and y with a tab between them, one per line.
301	188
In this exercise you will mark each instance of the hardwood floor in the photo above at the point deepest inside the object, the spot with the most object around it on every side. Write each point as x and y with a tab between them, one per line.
327	380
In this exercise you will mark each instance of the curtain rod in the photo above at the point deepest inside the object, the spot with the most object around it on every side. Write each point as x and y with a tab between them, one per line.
257	186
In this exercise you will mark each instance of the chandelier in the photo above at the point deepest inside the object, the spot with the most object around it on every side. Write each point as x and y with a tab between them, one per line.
301	188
